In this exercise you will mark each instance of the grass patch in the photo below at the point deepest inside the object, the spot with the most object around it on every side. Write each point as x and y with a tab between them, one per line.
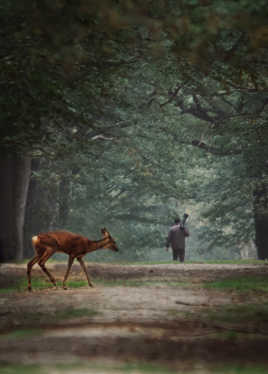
21	369
242	284
242	370
253	314
30	323
75	283
39	284
22	284
142	368
70	313
21	334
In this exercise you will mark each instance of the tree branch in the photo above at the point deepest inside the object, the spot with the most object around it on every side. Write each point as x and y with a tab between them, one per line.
214	150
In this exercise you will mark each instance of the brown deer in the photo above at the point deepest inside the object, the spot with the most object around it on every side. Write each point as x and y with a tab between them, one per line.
74	245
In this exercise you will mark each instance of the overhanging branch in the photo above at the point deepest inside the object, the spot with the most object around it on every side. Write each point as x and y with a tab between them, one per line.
214	150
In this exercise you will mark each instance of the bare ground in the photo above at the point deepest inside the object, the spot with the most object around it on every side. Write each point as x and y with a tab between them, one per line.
162	321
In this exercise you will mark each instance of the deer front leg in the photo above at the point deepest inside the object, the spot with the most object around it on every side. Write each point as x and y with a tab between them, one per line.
29	270
83	266
70	262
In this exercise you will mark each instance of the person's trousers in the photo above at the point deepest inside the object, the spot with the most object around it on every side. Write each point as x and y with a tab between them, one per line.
178	252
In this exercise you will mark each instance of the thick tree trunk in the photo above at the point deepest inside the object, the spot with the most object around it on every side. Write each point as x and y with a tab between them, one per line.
261	219
15	173
34	221
48	203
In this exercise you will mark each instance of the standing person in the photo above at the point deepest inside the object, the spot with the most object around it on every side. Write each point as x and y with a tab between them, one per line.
176	238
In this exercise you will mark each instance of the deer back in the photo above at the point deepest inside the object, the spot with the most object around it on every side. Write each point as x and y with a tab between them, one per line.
65	241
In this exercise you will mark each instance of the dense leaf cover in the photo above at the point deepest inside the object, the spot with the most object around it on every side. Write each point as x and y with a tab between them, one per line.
142	109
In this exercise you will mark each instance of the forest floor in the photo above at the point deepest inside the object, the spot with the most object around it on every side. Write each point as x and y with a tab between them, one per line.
137	319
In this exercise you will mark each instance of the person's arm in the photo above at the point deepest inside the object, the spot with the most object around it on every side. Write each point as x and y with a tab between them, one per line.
186	232
168	241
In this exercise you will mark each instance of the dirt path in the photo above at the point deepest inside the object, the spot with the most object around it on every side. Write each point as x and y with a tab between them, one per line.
135	316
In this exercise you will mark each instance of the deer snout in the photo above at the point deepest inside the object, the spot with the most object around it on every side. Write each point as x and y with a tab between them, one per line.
115	248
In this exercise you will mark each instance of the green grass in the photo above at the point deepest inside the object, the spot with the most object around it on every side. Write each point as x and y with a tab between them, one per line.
256	283
247	314
242	370
74	283
36	321
21	369
21	334
73	367
142	368
21	285
70	313
39	284
42	283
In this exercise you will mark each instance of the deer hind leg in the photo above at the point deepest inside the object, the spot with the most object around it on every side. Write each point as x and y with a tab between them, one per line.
83	266
70	262
45	256
29	270
39	252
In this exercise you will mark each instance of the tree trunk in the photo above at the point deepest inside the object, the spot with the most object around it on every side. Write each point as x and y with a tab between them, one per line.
261	219
15	173
34	221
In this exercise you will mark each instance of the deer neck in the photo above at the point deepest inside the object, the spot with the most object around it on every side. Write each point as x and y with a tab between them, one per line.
95	245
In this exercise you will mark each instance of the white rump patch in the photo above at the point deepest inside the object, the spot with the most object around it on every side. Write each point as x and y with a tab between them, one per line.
34	239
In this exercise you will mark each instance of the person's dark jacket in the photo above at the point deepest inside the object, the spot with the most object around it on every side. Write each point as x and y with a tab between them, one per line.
176	237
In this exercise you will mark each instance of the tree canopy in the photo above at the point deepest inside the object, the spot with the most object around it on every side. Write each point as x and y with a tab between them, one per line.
138	109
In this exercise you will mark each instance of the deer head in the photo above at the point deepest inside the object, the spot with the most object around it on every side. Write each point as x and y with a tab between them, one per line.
111	243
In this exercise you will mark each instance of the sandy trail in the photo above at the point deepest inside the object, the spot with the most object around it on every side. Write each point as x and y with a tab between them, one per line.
155	321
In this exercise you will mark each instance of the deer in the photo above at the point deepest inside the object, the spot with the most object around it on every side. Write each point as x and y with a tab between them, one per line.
74	245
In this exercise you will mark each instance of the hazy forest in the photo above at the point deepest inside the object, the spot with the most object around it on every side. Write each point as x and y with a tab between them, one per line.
125	114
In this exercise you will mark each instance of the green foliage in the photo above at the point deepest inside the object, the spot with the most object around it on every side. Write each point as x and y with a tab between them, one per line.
114	95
